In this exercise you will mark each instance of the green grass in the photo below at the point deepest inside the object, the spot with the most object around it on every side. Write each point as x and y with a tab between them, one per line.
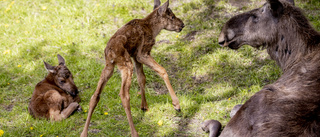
208	80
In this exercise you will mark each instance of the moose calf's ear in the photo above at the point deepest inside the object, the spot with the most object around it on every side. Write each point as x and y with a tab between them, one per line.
61	60
162	10
276	8
49	67
156	4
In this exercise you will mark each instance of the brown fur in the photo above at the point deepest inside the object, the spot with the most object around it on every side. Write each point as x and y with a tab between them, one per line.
212	126
135	39
290	106
287	38
55	97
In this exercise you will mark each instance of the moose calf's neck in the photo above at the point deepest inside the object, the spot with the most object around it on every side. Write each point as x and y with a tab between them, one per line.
50	78
153	23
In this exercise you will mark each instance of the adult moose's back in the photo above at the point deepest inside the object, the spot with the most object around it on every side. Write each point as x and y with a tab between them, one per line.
289	106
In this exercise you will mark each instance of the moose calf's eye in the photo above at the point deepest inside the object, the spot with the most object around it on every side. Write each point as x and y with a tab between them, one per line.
62	81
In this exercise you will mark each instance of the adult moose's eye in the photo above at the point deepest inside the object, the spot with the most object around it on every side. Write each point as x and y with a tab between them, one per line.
255	19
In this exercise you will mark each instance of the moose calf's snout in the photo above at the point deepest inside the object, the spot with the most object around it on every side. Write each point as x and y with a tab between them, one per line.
181	27
74	91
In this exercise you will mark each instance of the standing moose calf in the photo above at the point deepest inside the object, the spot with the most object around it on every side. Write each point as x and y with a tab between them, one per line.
55	97
135	39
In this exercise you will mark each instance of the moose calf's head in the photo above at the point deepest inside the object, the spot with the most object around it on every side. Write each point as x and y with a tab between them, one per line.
257	27
61	77
167	18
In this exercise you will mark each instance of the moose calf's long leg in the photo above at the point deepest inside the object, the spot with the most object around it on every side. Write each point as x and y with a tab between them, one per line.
150	62
54	101
105	76
68	111
126	69
142	82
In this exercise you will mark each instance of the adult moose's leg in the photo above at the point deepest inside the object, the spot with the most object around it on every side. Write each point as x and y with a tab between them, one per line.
150	62
105	76
142	83
126	68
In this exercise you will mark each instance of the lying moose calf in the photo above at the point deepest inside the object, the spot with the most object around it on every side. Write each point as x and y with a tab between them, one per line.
56	97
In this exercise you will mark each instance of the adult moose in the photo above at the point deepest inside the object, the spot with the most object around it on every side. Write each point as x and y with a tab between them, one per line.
135	39
56	97
289	106
278	26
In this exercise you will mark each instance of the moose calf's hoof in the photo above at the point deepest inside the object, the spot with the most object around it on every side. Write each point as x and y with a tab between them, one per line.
212	126
176	107
144	109
235	110
79	109
179	110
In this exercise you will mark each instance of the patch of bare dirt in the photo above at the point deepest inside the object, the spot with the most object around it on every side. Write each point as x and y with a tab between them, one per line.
142	11
191	125
119	117
190	36
239	3
159	88
164	41
201	79
195	126
9	107
94	130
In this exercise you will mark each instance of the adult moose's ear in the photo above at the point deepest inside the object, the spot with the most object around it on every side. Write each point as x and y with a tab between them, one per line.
61	60
49	67
291	1
162	10
156	4
276	8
